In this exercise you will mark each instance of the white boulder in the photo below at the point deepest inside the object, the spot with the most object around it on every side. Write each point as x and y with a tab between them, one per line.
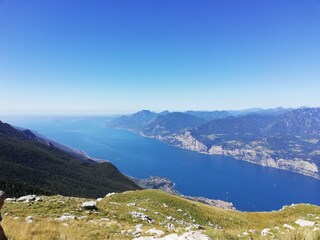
305	223
185	236
288	226
89	205
110	194
266	232
66	217
29	219
155	232
27	198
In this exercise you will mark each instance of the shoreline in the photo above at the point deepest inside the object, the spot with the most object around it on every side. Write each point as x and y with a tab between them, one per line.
225	155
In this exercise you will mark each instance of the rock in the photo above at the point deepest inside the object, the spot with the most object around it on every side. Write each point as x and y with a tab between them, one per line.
143	209
215	226
137	231
170	226
288	226
185	236
155	232
66	217
266	232
141	216
99	199
131	204
29	219
89	205
187	141
193	236
38	199
165	205
10	199
145	238
139	226
179	210
110	194
27	198
197	226
245	233
181	222
305	223
170	218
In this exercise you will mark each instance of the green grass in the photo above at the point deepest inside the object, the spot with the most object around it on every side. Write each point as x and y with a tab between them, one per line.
232	223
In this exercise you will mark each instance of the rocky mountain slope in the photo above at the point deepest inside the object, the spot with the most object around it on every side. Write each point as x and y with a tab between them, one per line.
29	164
150	215
287	139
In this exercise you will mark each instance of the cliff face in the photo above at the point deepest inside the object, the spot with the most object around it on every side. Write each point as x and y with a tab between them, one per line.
250	152
185	141
288	140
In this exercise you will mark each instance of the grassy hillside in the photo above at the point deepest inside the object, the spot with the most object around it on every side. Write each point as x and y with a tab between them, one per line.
113	219
29	166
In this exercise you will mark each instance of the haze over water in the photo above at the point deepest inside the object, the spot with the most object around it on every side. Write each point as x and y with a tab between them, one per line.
250	187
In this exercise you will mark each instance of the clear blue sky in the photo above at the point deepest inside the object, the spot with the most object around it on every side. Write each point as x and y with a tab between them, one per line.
90	56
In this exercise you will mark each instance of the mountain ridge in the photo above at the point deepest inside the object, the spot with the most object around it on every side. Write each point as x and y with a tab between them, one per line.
287	139
32	165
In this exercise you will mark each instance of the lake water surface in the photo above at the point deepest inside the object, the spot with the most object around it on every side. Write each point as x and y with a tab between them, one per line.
250	187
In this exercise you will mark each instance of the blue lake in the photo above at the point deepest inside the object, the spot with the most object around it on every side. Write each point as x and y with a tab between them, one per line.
250	187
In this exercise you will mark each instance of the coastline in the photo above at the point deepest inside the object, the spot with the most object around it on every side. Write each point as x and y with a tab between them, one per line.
264	164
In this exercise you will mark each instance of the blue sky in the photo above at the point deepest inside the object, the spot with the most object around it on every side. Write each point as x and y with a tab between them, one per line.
81	56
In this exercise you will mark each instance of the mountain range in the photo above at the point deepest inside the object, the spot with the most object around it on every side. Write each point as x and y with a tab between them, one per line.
34	165
281	138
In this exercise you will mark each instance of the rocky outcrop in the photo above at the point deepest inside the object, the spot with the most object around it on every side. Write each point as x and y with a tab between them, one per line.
305	223
265	157
187	141
92	205
66	217
194	235
26	199
141	216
